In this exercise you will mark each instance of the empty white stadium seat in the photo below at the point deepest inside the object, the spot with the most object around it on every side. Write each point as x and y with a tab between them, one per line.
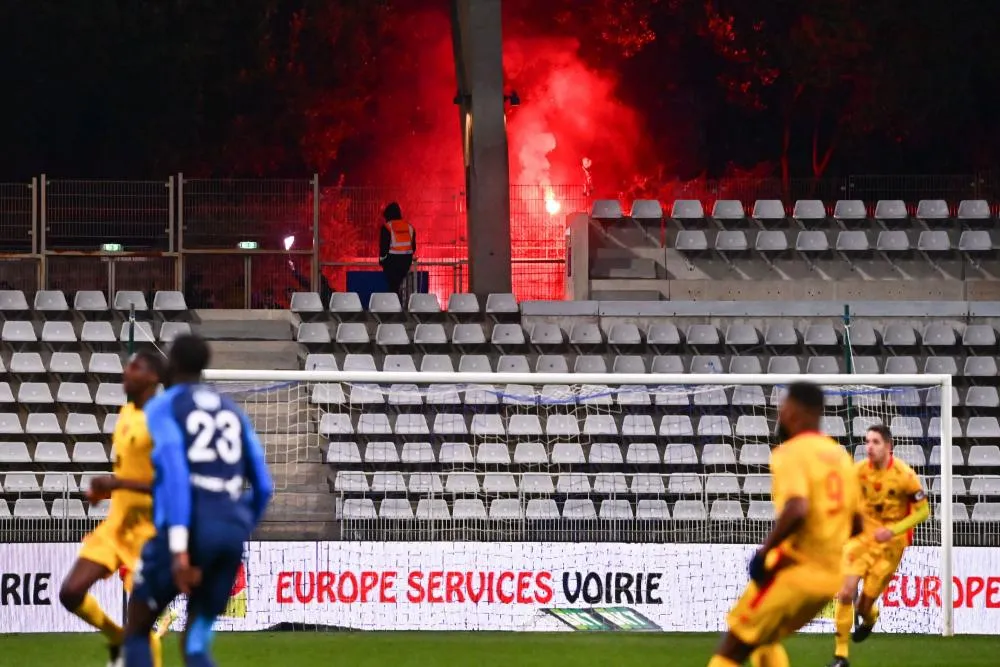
501	304
606	209
126	300
305	302
345	303
50	302
168	302
460	304
645	209
58	332
932	209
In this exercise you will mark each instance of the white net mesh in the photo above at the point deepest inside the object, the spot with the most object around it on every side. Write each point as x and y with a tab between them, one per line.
621	482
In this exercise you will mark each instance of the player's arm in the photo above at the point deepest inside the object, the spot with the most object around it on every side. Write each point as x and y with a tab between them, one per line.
169	456
791	486
101	487
261	486
919	511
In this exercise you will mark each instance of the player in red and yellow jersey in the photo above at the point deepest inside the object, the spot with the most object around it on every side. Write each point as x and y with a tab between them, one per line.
796	572
893	502
117	541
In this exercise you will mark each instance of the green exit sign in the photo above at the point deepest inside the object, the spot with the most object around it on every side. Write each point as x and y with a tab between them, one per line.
247	245
112	247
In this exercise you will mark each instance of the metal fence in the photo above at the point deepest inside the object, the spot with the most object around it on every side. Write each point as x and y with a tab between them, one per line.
251	243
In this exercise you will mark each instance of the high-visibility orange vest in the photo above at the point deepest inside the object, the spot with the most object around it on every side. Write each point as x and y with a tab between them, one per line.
400	237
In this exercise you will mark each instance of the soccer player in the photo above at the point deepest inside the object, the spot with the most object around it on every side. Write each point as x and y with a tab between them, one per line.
206	453
117	541
796	572
893	503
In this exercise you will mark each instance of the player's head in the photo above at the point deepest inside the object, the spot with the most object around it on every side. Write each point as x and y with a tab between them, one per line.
801	410
878	444
143	372
188	358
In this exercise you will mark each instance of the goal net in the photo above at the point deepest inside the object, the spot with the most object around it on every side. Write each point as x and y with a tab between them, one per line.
533	501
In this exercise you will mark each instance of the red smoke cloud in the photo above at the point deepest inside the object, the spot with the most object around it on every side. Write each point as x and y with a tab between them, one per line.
569	112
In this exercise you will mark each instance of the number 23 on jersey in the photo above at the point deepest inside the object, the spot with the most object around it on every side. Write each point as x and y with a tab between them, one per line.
215	436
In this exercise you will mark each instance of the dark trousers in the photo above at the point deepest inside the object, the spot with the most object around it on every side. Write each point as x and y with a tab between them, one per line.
395	268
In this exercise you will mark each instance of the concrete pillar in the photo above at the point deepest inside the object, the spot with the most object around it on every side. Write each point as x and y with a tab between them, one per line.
578	257
476	35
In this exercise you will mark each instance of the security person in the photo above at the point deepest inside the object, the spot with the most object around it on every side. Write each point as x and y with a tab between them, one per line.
397	244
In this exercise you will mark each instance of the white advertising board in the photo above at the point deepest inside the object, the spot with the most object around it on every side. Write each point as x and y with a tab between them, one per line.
501	586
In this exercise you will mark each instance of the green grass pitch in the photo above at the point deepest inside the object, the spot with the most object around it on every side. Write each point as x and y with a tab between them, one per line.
455	649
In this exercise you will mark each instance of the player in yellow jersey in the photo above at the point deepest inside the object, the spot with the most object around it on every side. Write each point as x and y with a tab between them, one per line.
893	503
796	572
117	541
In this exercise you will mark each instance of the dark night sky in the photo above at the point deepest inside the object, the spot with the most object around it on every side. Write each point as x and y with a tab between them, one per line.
286	87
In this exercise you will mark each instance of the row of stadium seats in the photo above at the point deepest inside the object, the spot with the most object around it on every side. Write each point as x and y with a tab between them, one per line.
24	333
347	454
89	303
816	241
886	211
485	425
386	305
84	453
63	364
69	394
60	508
47	423
430	509
779	336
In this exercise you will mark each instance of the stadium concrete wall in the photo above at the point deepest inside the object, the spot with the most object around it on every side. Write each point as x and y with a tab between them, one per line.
499	586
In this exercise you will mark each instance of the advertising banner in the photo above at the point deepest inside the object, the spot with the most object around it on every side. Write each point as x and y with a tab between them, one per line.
502	586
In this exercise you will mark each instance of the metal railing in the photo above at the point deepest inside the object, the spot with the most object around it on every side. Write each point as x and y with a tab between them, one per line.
249	243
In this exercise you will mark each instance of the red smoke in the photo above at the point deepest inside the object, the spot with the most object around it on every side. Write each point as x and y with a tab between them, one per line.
568	112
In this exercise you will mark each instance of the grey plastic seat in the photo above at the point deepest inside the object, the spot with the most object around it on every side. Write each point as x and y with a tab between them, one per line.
979	335
610	483
748	395
985	485
753	426
637	426
833	426
718	454
88	452
940	335
934	429
706	363
982	397
30	508
320	362
170	302
388	482
747	364
541	509
508	335
900	366
58	332
973	240
932	209
728	209
545	335
629	363
342	452
6	395
590	363
647	484
641	453
812	241
74	393
374	423
667	364
687	209
852	241
646	209
890	210
51	302
823	365
781	334
395	509
606	209
105	363
760	510
680	453
402	363
755	455
14	452
352	333
474	363
464	305
551	363
312	333
720	484
26	363
691	240
676	426
659	336
703	335
505	509
90	302
849	209
361	509
899	335
866	365
345	304
615	510
429	334
110	394
436	363
986	512
911	454
34	393
771	241
306	303
97	332
384	303
689	510
585	333
768	209
423	304
906	427
980	367
471	334
973	209
984	455
46	423
59	483
809	210
110	420
742	335
12	302
892	241
579	509
502	304
143	332
982	427
68	508
126	300
934	240
820	335
783	365
391	335
513	363
17	331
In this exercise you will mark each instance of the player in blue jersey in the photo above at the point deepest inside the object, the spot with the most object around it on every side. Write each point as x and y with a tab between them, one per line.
206	454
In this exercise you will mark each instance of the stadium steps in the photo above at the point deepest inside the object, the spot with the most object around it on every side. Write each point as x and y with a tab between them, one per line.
636	263
299	515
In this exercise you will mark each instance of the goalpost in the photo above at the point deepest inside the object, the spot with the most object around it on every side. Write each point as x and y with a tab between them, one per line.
577	470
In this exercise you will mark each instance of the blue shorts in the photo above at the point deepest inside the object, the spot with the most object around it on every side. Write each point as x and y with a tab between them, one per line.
216	548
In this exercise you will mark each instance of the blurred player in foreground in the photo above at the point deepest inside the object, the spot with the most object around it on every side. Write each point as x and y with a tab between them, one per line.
205	453
796	572
117	541
893	503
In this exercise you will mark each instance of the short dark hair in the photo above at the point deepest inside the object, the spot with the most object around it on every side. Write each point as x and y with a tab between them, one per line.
189	355
154	360
883	431
806	394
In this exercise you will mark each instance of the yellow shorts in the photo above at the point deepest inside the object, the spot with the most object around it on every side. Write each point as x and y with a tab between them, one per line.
116	548
874	563
768	614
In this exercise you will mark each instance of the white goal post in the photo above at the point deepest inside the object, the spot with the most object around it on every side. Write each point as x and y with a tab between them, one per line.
514	429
